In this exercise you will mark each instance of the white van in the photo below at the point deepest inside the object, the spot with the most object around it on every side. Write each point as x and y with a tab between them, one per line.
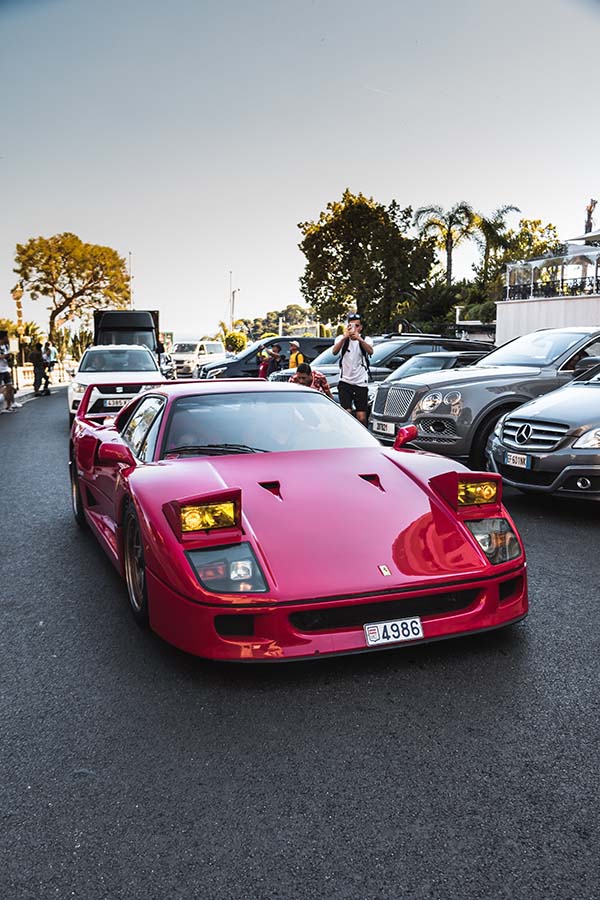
190	356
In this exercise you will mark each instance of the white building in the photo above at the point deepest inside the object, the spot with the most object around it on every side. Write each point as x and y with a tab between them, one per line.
552	292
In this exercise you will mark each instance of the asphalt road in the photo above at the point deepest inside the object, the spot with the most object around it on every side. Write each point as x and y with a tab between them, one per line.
463	769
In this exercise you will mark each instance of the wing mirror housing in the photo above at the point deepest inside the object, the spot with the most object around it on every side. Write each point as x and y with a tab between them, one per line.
586	363
405	436
110	453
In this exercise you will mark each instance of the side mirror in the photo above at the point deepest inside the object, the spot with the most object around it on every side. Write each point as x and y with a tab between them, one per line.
586	363
405	436
109	454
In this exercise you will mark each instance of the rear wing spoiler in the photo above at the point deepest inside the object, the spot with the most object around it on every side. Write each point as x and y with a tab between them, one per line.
82	411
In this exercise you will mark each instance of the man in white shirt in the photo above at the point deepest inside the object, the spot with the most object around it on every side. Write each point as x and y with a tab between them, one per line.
354	367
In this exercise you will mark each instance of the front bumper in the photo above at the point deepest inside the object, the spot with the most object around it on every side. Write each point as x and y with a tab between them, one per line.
550	473
310	629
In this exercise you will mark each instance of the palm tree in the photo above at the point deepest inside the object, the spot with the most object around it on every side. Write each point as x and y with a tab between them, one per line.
491	236
448	227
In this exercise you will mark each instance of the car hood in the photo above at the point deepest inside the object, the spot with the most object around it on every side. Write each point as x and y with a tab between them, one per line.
324	522
119	377
468	375
575	405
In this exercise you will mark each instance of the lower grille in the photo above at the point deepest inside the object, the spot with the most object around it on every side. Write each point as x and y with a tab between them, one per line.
527	476
438	427
279	376
357	616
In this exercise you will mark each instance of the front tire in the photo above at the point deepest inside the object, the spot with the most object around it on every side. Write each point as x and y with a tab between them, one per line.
477	458
76	501
135	568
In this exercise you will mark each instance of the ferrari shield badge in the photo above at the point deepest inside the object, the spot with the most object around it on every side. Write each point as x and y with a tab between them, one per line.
384	570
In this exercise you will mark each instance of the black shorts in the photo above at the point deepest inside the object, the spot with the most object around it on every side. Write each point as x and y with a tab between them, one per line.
5	378
352	392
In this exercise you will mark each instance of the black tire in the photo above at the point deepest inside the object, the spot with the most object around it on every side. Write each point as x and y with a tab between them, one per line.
135	568
477	455
76	501
71	420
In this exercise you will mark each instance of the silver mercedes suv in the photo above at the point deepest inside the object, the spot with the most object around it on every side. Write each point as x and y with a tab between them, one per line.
456	411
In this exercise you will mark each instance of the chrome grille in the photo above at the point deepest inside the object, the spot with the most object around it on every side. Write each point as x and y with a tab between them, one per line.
127	390
279	376
541	436
398	402
380	398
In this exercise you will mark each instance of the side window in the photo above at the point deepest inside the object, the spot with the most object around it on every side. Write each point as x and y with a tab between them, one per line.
414	349
139	424
592	349
146	453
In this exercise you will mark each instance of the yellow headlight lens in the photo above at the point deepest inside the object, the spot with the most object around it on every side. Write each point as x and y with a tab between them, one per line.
207	516
476	493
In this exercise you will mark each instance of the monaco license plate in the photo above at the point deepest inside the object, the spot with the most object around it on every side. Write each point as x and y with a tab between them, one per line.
519	460
383	427
394	631
121	401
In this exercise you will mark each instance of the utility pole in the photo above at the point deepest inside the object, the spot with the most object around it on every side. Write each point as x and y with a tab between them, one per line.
130	284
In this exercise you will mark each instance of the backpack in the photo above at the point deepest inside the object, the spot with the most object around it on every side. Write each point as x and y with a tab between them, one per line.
364	354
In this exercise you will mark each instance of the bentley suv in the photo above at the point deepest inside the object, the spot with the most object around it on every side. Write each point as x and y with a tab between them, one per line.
455	412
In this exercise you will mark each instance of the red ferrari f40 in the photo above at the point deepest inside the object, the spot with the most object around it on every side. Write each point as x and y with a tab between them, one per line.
255	520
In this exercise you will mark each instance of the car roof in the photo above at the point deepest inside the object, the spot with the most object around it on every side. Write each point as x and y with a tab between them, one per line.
190	388
451	354
570	329
113	347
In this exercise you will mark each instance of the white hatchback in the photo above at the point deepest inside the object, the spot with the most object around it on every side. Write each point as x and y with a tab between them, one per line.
118	371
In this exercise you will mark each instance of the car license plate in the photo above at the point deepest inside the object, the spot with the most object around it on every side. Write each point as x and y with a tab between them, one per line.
120	402
383	427
394	631
519	460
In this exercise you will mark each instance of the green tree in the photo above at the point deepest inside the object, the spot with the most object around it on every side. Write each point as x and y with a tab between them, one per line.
448	227
76	277
236	341
358	256
491	236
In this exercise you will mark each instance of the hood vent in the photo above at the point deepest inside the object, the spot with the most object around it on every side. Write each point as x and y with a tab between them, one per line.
272	486
374	480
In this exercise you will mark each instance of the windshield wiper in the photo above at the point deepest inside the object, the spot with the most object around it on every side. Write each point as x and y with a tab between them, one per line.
216	449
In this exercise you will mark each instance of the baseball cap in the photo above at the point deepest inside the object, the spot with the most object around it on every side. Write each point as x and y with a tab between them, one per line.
353	317
294	344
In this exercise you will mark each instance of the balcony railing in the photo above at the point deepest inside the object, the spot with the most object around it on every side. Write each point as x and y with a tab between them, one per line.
565	287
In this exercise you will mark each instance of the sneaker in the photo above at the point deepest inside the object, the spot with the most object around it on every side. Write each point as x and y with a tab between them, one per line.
17	406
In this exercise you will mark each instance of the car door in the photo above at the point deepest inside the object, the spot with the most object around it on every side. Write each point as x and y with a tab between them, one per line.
136	434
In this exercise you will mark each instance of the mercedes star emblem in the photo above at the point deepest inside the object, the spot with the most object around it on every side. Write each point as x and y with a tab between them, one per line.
523	434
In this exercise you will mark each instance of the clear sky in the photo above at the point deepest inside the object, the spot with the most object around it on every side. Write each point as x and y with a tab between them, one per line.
197	134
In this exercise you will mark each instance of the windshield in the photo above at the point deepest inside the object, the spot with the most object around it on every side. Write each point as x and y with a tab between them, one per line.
381	351
541	348
262	420
184	348
417	364
127	336
213	348
118	361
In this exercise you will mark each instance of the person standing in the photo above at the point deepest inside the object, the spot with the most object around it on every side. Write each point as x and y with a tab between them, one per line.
354	349
296	357
36	358
6	382
305	376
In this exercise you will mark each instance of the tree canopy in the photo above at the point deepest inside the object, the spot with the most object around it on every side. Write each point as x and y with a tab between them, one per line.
74	276
448	228
358	256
